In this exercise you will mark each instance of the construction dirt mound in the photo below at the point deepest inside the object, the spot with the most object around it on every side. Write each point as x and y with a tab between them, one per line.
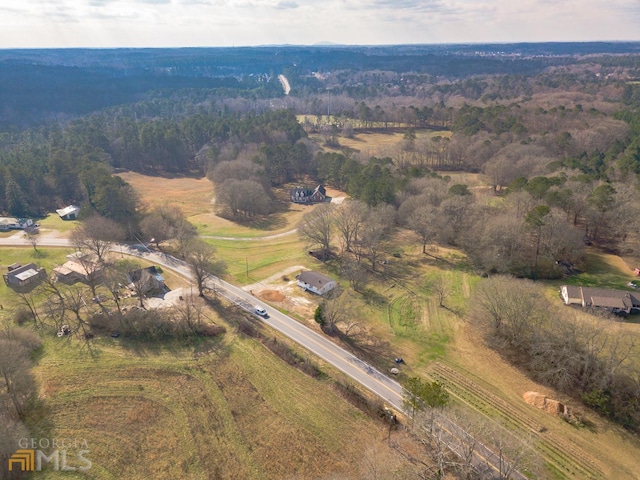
547	404
272	296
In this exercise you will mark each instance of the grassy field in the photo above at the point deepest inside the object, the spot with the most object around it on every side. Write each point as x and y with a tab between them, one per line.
378	143
194	197
401	310
260	259
53	222
227	409
197	409
218	408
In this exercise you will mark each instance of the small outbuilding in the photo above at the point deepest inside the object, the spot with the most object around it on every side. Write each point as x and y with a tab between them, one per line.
316	282
69	213
21	277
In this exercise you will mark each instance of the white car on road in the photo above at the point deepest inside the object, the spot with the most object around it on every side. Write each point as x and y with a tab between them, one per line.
260	311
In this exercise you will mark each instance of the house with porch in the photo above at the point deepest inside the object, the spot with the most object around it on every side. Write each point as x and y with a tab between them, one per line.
79	267
146	281
307	195
11	223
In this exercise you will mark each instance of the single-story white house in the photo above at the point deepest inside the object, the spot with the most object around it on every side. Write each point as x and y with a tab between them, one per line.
608	299
316	282
68	213
10	223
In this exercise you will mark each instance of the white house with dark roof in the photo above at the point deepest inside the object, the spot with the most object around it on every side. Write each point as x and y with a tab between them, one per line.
316	282
609	299
11	223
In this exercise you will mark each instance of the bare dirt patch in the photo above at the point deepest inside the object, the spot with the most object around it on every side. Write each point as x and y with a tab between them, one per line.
272	296
282	291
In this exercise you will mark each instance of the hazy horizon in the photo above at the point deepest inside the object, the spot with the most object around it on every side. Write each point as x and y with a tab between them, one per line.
251	23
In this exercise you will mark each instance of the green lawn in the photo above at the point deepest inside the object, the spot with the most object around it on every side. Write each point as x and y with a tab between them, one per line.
43	257
54	222
260	259
602	270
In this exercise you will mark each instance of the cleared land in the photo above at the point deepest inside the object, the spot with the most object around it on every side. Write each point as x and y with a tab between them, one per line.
401	311
219	409
403	314
223	407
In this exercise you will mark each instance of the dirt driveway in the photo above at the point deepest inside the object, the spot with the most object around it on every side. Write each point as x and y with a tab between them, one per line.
282	291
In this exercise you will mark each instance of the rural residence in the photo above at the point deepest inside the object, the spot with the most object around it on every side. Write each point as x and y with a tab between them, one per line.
9	223
146	281
315	282
306	195
23	276
68	213
79	267
615	301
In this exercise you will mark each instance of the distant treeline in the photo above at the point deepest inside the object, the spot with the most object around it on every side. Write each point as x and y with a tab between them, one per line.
38	85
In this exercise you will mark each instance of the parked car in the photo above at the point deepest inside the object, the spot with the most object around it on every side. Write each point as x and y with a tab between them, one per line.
260	311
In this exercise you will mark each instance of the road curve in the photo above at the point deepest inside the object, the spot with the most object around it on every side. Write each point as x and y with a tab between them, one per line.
251	239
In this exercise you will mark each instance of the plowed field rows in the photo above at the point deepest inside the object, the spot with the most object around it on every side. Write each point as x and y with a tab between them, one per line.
567	459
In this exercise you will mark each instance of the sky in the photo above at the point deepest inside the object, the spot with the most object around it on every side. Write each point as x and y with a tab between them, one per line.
210	23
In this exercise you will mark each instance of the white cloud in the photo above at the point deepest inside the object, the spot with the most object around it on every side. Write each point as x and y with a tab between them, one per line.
59	23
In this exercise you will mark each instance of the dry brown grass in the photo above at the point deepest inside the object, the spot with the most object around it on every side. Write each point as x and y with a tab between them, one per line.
157	411
612	449
438	333
376	143
192	195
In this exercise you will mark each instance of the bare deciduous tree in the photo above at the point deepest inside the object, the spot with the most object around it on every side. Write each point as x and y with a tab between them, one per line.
243	197
32	236
316	227
355	273
29	301
162	224
334	310
190	313
201	259
16	382
349	218
442	287
12	432
97	234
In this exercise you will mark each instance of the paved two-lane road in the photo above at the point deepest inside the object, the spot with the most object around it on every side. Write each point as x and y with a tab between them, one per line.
375	381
